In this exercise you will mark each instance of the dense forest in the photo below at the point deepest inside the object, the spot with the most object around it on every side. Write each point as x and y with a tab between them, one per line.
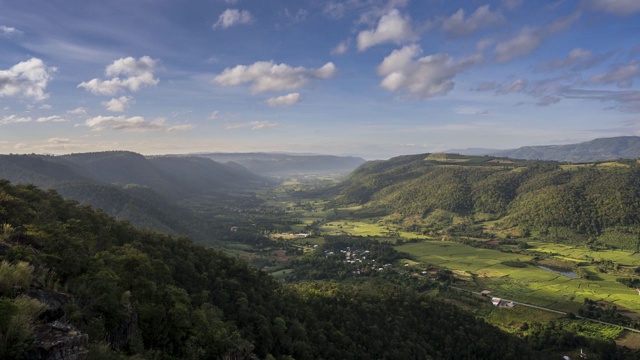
74	279
589	202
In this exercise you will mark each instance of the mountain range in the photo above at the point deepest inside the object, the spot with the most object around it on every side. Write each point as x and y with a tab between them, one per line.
601	149
283	165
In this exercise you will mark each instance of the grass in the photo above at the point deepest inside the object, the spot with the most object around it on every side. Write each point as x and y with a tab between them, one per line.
367	228
529	284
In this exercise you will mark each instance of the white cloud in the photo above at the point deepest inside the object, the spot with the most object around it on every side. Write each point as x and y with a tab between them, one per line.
135	123
9	31
231	17
516	86
548	100
522	44
118	105
616	7
28	78
621	75
423	77
512	4
178	128
392	28
138	73
284	100
53	118
334	9
213	116
529	39
341	48
268	76
486	86
78	111
482	18
576	58
58	140
299	16
253	125
14	119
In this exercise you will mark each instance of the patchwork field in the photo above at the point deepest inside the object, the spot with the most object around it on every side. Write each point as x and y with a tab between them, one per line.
528	284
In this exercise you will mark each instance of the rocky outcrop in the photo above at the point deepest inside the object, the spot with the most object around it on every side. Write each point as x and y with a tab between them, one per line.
59	341
53	301
127	336
54	339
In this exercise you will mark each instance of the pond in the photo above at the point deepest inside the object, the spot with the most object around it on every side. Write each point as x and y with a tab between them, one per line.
562	272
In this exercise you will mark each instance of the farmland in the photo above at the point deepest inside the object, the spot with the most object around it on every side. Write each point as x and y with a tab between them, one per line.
529	283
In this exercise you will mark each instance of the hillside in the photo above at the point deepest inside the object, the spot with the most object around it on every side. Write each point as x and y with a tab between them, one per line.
457	194
150	192
602	149
282	165
75	281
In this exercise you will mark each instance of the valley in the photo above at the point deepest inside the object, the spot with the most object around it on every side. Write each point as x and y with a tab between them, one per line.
555	243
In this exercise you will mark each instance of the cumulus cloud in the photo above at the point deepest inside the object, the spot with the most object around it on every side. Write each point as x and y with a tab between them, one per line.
253	125
267	76
392	28
118	104
231	17
9	31
128	74
616	7
14	119
529	39
28	78
482	18
621	75
284	100
422	77
134	123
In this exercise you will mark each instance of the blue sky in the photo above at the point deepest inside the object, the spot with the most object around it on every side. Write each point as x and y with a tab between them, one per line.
360	77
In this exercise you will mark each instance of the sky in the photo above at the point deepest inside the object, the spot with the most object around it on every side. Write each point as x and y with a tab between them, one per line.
369	78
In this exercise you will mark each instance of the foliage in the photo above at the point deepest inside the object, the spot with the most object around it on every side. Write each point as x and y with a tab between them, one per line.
153	296
17	318
14	276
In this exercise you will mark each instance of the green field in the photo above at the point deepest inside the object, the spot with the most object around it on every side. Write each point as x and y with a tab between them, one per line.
363	228
529	284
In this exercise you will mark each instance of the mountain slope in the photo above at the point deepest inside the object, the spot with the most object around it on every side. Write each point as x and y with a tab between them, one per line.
149	296
592	202
149	192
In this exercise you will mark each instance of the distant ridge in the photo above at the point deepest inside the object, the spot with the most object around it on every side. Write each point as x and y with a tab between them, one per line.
601	149
283	164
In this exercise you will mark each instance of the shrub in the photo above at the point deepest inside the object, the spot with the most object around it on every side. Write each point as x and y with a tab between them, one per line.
14	276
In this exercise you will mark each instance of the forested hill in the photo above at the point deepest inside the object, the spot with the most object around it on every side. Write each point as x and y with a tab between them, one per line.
456	193
281	165
602	149
148	191
75	281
